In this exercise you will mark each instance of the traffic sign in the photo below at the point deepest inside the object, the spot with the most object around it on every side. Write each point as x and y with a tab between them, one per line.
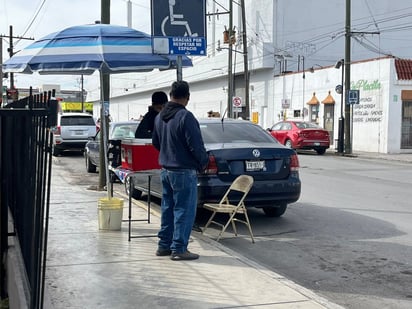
352	97
285	103
178	27
237	101
187	45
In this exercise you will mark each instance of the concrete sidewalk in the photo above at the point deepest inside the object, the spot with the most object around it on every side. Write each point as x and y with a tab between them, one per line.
396	157
92	268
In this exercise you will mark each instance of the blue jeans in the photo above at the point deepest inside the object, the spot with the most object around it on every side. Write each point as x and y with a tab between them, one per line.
179	203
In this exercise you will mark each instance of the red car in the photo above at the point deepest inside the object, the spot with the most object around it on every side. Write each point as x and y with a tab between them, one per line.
301	135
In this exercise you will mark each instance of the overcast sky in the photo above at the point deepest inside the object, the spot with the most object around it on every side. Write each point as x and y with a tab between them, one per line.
37	18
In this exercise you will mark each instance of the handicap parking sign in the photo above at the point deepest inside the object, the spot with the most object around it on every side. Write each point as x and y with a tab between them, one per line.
178	26
352	97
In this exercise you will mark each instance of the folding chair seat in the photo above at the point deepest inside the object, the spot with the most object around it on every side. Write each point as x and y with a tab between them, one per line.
241	184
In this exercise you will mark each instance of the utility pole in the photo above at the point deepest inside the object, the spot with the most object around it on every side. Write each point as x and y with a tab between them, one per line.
348	118
11	53
245	61
82	91
105	85
303	87
11	50
129	14
230	63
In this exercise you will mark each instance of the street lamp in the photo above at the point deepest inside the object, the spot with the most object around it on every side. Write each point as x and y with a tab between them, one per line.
339	89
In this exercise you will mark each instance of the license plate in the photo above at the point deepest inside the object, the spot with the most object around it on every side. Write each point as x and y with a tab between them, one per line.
316	144
78	132
254	165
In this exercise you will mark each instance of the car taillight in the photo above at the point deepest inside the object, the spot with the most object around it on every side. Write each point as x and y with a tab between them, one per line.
211	166
294	163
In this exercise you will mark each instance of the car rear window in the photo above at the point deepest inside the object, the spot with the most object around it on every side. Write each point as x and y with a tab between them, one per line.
306	125
234	132
77	121
124	131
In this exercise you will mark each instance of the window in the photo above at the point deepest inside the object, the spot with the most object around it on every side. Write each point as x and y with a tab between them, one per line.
77	121
314	112
234	133
277	126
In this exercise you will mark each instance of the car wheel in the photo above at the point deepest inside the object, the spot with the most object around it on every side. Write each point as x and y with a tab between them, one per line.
321	151
275	211
56	151
136	194
288	143
90	167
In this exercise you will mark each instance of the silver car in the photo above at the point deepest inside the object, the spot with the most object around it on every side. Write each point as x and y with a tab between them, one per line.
72	132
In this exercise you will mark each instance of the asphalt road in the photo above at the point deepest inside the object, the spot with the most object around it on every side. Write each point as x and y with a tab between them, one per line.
348	238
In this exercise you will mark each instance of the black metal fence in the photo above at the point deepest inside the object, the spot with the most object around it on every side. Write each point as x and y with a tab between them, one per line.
25	170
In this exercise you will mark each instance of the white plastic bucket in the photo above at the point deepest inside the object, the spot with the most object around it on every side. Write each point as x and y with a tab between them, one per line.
110	213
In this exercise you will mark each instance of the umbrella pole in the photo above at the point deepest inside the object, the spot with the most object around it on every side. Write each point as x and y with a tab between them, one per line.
103	122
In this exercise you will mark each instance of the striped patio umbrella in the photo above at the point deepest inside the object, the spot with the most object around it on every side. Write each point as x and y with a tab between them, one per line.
88	48
85	49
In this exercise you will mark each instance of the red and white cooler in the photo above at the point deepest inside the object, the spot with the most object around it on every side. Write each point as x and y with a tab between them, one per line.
139	154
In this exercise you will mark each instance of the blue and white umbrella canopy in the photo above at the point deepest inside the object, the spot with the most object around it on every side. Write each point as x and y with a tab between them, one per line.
85	49
89	48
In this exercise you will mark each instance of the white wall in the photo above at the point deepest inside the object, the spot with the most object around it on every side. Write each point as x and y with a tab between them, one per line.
395	112
371	116
276	28
376	125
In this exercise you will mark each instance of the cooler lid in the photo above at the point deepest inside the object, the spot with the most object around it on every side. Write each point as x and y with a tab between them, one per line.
137	141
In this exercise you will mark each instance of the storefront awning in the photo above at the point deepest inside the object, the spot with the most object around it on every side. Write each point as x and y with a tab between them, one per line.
314	100
329	99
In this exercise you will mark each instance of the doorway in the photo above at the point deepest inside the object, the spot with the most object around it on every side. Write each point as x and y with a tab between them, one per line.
329	116
406	133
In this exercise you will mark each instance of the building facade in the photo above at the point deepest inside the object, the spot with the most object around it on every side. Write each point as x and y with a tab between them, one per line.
286	42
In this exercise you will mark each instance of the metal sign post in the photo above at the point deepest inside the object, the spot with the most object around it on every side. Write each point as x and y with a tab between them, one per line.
237	105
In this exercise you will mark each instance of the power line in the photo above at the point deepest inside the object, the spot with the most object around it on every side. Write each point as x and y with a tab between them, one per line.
33	18
370	12
11	51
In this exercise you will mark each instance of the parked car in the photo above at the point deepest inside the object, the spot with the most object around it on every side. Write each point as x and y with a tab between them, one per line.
117	132
72	132
301	135
237	147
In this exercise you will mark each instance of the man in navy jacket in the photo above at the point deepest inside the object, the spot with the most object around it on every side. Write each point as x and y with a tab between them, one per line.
182	154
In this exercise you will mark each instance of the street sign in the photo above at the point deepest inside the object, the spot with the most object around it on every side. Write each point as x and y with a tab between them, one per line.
352	97
285	103
178	27
237	101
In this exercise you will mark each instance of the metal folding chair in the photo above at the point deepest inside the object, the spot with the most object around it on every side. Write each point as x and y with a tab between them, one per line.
241	184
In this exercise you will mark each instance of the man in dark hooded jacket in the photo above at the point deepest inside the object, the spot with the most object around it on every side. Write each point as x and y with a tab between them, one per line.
145	128
182	154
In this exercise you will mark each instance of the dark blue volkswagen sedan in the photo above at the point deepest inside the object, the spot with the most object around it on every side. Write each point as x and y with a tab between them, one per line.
237	147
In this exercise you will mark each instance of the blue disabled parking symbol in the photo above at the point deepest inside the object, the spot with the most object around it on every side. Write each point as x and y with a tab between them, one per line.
178	26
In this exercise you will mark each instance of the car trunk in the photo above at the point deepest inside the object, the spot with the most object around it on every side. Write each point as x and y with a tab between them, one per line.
269	164
82	132
314	134
77	127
